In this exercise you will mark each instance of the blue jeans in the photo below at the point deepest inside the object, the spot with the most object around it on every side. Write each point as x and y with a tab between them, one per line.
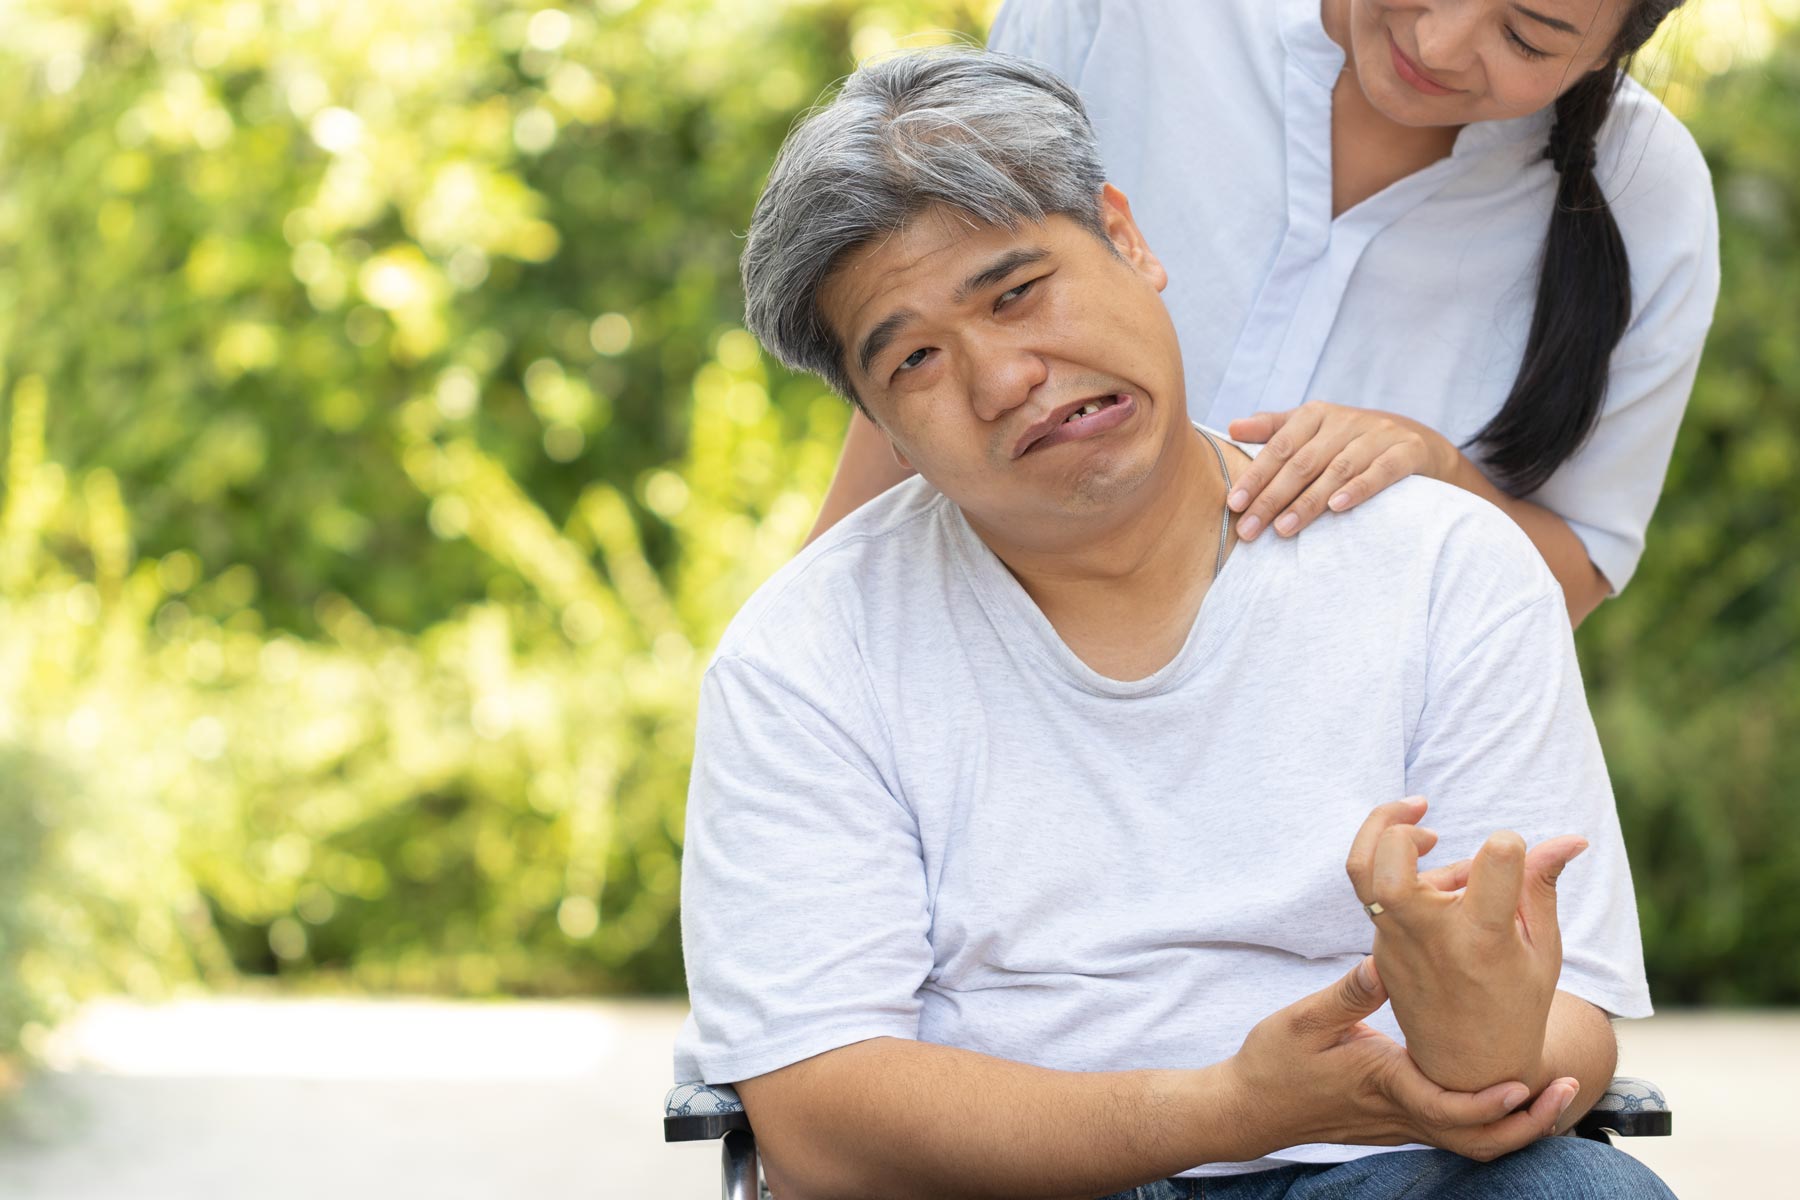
1559	1168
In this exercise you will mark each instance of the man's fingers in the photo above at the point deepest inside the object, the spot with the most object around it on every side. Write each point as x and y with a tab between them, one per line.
1484	1124
1543	865
1327	1016
1520	1129
1471	1123
1449	878
1360	866
1439	1108
1396	875
1495	881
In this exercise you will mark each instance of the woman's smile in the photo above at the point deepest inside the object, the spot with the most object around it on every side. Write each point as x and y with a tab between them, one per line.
1414	74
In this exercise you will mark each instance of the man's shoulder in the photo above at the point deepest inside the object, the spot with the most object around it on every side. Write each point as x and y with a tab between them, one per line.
1468	554
1437	509
825	599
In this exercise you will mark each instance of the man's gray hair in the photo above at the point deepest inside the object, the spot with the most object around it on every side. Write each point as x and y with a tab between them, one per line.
996	137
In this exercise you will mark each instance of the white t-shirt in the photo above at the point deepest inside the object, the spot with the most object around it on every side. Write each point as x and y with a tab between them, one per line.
915	813
1214	117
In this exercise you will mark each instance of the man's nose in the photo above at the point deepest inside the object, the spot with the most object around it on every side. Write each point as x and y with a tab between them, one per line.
1446	36
1003	377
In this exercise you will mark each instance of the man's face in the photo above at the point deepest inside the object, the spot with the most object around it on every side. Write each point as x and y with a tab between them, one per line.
970	345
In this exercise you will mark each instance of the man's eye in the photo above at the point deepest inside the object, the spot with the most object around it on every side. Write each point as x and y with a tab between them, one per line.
916	358
1007	297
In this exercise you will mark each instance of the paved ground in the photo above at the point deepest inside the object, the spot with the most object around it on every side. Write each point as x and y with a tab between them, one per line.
379	1100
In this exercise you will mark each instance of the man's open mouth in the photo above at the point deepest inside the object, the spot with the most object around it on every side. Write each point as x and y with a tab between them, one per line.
1075	420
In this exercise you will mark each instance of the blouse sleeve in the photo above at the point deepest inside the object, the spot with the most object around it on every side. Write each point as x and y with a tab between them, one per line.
1661	195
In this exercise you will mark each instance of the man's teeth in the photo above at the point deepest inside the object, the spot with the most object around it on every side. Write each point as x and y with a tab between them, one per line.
1086	410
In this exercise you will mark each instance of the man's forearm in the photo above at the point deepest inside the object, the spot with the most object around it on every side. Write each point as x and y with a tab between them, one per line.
889	1117
1578	1043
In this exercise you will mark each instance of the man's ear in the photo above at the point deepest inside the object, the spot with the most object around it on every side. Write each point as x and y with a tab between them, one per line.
900	455
1123	232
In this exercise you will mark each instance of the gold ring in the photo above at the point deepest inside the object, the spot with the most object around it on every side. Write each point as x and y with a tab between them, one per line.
1373	908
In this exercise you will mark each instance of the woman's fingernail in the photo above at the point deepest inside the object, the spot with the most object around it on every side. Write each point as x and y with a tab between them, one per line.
1248	527
1515	1097
1339	502
1237	500
1288	524
1568	1099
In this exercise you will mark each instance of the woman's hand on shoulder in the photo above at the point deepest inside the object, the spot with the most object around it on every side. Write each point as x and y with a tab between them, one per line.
1327	456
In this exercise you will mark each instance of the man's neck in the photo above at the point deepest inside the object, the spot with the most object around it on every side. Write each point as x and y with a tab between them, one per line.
1122	592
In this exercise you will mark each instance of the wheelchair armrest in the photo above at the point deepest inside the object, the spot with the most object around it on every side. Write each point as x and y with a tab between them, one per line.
700	1112
1630	1108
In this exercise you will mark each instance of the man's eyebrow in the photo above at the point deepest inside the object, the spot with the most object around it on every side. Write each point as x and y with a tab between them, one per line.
883	333
1553	22
999	269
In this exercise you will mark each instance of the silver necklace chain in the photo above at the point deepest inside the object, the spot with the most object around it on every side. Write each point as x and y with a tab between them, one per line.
1224	509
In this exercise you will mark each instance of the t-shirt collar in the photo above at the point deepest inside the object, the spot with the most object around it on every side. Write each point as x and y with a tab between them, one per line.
1021	624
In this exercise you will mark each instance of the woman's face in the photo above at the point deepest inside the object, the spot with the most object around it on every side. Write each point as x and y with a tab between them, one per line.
1452	62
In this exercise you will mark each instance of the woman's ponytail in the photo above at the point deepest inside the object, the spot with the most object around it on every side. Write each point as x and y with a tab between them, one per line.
1584	289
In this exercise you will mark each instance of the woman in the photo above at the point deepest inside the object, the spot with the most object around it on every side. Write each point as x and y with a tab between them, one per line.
1456	221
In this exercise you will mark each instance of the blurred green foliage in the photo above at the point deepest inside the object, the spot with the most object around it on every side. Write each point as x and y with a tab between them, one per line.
384	457
1694	672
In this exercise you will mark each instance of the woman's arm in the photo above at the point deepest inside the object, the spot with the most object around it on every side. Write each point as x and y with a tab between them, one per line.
866	469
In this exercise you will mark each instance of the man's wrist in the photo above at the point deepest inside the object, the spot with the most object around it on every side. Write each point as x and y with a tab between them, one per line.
1470	1060
1244	1121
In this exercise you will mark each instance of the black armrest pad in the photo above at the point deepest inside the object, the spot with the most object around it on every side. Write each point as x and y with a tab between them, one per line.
1630	1108
697	1112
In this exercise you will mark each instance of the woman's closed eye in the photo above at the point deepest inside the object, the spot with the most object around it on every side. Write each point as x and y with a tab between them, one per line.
1524	47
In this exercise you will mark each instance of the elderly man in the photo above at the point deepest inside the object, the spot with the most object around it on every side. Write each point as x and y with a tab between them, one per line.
1022	799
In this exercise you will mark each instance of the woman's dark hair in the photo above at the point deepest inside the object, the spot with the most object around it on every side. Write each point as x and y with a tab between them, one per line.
1584	287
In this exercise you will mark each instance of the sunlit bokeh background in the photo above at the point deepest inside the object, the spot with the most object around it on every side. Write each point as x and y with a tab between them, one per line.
383	457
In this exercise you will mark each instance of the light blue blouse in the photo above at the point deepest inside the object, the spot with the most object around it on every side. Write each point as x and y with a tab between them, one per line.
1214	117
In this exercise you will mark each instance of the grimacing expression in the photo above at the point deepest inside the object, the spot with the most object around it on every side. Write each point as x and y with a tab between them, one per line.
968	344
1452	62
